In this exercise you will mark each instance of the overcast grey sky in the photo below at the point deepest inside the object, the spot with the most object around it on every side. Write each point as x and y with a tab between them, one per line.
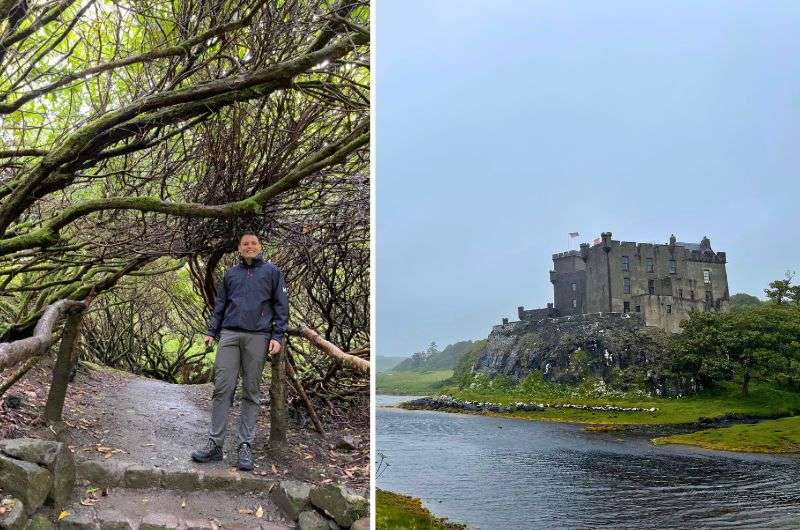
504	125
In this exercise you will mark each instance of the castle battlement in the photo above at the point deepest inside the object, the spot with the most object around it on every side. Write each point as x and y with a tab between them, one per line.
661	282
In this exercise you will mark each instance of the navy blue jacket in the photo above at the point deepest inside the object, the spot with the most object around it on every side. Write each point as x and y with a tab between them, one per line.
251	298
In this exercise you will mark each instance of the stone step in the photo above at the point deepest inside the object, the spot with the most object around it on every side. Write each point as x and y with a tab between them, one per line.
156	508
111	473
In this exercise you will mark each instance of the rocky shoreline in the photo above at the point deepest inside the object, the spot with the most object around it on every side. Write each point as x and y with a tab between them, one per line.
446	403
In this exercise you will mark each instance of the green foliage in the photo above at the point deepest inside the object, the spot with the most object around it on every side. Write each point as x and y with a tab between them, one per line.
741	301
535	385
782	291
630	378
501	383
757	343
432	359
580	362
462	372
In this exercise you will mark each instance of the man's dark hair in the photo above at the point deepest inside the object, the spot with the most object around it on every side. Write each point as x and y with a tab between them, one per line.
248	233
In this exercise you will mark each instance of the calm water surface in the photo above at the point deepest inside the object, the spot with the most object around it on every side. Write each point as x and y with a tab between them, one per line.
506	474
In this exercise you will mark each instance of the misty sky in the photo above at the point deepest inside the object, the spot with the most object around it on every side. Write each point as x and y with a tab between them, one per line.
504	125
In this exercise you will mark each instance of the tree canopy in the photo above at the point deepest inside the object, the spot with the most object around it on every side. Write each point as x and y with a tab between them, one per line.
138	136
761	342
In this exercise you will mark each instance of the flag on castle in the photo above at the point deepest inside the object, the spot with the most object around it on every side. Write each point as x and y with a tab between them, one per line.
574	234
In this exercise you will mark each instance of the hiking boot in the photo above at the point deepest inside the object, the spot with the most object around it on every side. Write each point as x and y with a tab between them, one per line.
245	462
211	452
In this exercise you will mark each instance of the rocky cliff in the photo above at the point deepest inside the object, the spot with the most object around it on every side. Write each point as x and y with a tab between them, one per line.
617	348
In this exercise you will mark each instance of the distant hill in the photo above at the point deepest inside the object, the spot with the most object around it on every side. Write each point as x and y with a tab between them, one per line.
744	301
433	360
386	363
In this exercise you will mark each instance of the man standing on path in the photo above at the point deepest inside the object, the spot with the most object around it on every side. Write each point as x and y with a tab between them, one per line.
251	311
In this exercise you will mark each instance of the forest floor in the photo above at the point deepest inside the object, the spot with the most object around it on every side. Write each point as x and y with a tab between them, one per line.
113	415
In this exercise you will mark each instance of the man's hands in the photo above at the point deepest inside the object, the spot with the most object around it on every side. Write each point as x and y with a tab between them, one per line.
274	347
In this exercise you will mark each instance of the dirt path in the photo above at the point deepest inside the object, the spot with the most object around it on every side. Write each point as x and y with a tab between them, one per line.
155	423
132	438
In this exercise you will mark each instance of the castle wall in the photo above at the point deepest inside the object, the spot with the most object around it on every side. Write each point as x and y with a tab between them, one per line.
569	283
665	280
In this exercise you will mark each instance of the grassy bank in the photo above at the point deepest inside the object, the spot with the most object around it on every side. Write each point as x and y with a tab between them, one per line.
769	436
412	383
394	511
762	402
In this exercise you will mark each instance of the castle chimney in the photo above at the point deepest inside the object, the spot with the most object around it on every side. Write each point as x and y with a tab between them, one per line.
584	251
505	321
672	240
520	309
705	243
549	306
606	237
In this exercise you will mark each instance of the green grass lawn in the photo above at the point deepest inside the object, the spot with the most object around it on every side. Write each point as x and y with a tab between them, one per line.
399	512
770	436
412	383
762	402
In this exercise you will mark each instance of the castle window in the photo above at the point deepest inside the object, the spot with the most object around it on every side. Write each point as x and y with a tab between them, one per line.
648	264
626	307
706	276
680	293
673	267
574	304
669	309
625	266
651	286
691	294
574	287
638	309
626	285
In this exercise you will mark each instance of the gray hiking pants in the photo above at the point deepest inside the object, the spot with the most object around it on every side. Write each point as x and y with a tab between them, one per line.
248	351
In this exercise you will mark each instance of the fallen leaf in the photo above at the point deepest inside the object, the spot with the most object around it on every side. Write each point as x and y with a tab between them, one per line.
245	511
308	457
88	501
214	525
3	510
63	515
260	512
183	504
274	470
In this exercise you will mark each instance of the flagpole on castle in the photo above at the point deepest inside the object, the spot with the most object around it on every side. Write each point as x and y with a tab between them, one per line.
571	236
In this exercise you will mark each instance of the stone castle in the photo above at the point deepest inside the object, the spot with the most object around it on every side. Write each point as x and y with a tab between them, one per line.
659	282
